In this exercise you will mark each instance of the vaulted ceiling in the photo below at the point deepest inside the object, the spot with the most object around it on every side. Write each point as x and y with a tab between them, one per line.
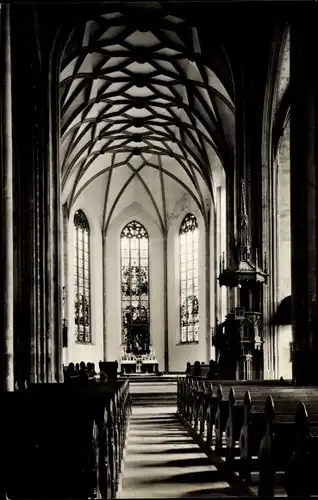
283	71
143	116
281	104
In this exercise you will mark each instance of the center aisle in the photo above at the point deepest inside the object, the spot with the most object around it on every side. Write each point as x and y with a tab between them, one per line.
162	461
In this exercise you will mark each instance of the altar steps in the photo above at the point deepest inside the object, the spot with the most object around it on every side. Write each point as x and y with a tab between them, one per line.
152	379
151	390
159	399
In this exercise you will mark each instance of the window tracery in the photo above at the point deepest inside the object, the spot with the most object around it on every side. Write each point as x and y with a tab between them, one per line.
82	313
189	279
135	287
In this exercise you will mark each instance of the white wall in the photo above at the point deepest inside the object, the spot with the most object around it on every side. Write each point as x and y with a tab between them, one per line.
180	353
106	303
76	352
113	282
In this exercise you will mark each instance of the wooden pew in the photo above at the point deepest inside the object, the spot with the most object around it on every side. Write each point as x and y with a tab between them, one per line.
72	439
274	425
45	443
253	428
251	434
229	407
193	402
301	473
289	444
117	432
205	404
238	408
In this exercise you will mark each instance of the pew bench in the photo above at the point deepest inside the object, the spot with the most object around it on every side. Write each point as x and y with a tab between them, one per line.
301	473
288	449
204	403
247	424
238	404
121	404
254	434
264	420
253	428
193	401
65	442
230	412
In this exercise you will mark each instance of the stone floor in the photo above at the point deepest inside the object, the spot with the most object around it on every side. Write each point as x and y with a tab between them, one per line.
162	461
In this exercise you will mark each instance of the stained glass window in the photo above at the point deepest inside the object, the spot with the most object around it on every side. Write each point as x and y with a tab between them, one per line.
189	279
135	288
82	311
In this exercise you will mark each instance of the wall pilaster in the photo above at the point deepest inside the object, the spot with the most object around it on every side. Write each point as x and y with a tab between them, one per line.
6	194
37	207
304	195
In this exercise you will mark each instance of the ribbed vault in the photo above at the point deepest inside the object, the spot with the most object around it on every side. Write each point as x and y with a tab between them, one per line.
142	115
281	103
283	72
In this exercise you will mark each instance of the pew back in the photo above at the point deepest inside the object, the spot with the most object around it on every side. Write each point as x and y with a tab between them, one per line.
54	434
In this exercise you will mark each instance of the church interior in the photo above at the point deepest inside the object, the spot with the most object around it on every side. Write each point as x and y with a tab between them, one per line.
159	253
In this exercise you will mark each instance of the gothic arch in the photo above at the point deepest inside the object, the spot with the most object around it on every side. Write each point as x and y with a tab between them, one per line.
189	278
112	282
268	138
82	274
135	292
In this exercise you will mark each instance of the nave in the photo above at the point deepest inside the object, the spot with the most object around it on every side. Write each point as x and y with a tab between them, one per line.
163	461
159	203
100	441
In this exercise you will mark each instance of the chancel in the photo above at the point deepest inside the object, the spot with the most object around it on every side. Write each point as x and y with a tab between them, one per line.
158	249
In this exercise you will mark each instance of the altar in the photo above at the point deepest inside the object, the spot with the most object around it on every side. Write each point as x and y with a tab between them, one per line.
139	363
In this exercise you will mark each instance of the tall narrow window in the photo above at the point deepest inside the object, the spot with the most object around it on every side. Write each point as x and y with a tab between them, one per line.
82	278
189	279
134	288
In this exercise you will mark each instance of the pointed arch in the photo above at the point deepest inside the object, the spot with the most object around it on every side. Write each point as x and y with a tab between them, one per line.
189	279
134	246
82	281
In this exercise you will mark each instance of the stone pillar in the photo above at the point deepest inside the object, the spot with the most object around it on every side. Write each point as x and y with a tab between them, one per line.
25	193
65	283
165	292
231	200
38	301
6	194
304	201
208	336
51	119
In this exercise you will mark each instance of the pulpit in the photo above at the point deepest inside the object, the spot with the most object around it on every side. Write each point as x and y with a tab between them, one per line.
239	339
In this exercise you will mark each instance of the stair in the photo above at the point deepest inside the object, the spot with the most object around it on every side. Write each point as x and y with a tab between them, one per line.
159	399
152	390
